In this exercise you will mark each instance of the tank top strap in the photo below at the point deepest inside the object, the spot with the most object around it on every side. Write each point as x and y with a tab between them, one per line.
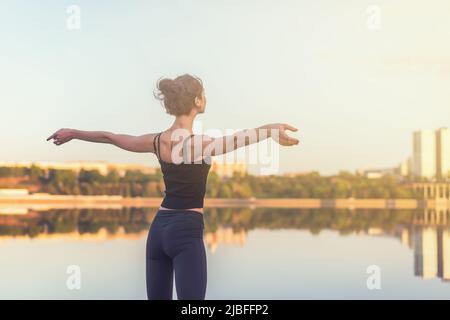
157	148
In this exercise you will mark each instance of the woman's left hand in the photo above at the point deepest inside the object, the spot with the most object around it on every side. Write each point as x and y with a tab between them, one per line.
281	136
62	136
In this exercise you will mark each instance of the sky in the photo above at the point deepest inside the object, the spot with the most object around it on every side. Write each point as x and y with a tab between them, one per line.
355	90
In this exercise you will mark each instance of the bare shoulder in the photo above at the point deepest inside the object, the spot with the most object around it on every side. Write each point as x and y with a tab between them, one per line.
147	137
146	142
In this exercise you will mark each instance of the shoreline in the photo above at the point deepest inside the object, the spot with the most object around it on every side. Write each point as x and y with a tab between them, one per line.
42	201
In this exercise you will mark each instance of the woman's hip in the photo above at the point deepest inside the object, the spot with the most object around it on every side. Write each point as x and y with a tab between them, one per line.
178	222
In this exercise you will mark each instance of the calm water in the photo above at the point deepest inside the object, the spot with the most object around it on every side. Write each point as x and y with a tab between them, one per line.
252	254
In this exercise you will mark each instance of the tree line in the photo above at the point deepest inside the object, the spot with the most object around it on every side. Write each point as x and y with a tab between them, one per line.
135	183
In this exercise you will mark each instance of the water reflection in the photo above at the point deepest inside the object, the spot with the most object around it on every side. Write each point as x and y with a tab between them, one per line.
419	230
432	252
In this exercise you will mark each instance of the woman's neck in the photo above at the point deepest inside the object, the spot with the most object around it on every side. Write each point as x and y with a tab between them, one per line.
183	122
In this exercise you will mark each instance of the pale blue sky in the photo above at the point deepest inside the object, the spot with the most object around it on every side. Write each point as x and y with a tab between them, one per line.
355	94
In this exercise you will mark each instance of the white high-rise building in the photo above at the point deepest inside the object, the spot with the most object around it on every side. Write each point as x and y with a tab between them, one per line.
443	152
424	154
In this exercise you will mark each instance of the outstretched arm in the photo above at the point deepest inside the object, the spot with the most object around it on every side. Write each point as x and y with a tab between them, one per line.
246	137
142	143
217	146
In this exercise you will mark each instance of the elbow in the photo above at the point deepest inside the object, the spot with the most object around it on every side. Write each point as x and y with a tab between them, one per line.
108	137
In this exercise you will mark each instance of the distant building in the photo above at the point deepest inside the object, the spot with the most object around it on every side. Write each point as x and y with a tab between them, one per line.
372	174
405	167
431	154
228	169
297	174
424	154
443	153
102	166
376	173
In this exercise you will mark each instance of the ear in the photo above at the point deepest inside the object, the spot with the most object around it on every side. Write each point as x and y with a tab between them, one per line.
197	102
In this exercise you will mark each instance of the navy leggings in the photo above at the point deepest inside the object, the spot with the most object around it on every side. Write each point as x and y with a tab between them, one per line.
175	244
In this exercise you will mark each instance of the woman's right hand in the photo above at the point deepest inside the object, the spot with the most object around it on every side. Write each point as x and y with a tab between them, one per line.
282	137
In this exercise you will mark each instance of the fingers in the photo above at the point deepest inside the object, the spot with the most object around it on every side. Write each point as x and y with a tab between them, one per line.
59	142
289	127
292	141
53	135
57	139
287	140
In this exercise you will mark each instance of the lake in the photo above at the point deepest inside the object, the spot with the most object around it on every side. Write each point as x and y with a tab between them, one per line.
251	253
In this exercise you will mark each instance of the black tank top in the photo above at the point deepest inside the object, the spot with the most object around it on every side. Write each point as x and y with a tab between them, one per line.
185	182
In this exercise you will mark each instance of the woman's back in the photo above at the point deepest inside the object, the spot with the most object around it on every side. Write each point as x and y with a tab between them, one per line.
185	182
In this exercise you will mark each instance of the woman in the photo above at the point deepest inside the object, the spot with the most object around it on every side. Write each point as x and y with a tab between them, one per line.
175	239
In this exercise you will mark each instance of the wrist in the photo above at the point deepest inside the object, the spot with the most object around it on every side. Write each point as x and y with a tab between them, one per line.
267	129
74	133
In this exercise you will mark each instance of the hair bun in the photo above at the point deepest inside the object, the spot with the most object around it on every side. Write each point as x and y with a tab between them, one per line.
167	86
178	94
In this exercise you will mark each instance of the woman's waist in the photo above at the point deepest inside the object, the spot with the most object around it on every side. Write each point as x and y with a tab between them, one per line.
176	201
180	210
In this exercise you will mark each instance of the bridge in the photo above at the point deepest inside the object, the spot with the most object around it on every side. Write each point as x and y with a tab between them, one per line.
437	194
433	190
